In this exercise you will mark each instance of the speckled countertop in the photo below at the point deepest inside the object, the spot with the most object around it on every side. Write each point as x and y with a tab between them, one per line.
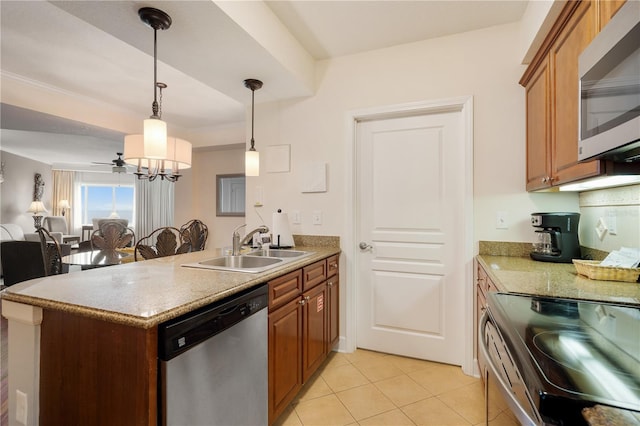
144	294
523	275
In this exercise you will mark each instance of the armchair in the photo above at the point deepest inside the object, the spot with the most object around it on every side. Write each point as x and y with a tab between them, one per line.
59	224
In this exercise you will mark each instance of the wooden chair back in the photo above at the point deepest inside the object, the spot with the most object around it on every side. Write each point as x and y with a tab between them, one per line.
195	232
111	236
51	253
166	241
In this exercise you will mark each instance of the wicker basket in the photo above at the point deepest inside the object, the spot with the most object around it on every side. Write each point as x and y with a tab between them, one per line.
592	269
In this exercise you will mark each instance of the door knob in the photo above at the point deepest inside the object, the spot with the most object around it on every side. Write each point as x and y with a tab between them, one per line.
365	246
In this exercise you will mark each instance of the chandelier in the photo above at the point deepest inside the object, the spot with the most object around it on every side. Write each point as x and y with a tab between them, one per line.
154	153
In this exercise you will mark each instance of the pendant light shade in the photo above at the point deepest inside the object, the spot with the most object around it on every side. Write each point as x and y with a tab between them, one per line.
155	138
252	163
252	157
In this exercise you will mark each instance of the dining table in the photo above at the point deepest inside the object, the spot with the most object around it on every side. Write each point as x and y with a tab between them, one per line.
98	258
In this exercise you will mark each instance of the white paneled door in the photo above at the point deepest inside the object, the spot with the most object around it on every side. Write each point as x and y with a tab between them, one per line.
410	190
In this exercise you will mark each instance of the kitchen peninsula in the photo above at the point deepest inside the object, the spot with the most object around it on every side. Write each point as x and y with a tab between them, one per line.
84	346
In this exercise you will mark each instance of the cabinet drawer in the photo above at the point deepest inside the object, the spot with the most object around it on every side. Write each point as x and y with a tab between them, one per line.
332	266
482	279
285	288
314	274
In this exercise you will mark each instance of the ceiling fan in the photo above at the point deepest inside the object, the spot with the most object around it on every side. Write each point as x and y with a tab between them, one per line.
118	164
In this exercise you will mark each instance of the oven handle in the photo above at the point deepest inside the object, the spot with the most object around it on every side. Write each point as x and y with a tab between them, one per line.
518	410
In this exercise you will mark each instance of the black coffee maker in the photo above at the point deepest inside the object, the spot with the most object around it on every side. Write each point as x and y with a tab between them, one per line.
557	237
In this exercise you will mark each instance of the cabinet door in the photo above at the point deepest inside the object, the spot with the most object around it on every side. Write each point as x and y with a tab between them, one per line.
285	356
538	129
333	312
332	265
314	333
572	40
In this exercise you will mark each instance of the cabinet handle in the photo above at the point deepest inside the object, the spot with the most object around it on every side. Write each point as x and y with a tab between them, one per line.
330	283
545	179
304	300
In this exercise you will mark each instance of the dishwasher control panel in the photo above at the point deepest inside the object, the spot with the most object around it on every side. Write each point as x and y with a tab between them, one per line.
179	334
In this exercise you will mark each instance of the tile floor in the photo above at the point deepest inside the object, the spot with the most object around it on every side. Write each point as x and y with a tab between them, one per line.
371	388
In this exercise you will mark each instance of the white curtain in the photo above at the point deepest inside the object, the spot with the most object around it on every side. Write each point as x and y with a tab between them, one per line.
63	190
154	206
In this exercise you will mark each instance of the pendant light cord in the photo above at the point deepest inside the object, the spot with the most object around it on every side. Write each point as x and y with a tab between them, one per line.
253	93
154	106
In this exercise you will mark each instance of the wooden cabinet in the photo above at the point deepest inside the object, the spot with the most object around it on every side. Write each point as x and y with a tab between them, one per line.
303	327
551	86
484	285
285	356
314	334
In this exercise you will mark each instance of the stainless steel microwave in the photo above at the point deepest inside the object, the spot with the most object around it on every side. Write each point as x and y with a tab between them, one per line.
609	93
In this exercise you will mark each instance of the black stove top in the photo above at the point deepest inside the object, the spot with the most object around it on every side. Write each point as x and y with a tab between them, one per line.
571	352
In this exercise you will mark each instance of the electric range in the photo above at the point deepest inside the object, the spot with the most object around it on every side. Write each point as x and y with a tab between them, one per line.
557	356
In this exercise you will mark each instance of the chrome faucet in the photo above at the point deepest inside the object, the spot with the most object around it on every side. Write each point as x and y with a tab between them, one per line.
237	243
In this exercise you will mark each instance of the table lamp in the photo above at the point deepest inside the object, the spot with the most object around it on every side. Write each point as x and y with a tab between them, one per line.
37	207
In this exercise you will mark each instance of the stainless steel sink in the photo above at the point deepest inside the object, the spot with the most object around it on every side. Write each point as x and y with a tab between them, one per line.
252	262
238	263
278	253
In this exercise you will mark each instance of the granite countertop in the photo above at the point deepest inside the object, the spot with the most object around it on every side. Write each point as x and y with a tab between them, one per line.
144	294
523	275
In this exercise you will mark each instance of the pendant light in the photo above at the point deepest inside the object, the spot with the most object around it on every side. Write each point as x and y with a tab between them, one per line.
252	157
159	154
155	130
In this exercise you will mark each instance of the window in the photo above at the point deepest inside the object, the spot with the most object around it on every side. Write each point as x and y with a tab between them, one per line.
104	200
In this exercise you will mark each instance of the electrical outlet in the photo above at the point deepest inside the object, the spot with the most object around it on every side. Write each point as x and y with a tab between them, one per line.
21	407
316	217
501	220
612	222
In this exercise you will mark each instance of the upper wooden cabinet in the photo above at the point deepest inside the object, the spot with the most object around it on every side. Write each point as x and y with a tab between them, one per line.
551	84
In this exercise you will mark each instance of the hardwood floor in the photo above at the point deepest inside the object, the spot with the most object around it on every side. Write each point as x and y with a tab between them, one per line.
370	388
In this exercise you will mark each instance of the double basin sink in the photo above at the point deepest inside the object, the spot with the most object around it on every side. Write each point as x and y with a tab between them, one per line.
251	262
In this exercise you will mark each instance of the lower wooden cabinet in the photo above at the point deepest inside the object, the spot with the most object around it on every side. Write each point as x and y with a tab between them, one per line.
484	286
302	329
333	312
314	336
285	356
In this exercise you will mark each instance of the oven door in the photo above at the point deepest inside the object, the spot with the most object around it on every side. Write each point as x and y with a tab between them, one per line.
502	381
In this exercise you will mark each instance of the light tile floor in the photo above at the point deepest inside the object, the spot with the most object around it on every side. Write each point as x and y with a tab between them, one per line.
371	388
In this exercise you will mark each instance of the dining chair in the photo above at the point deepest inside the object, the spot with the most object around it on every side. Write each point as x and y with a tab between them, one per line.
51	253
111	236
166	241
195	232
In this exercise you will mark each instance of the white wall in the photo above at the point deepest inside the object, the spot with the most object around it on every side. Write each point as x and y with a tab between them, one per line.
16	192
484	64
195	195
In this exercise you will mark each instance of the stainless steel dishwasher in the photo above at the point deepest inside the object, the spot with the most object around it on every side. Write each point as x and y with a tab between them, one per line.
213	364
